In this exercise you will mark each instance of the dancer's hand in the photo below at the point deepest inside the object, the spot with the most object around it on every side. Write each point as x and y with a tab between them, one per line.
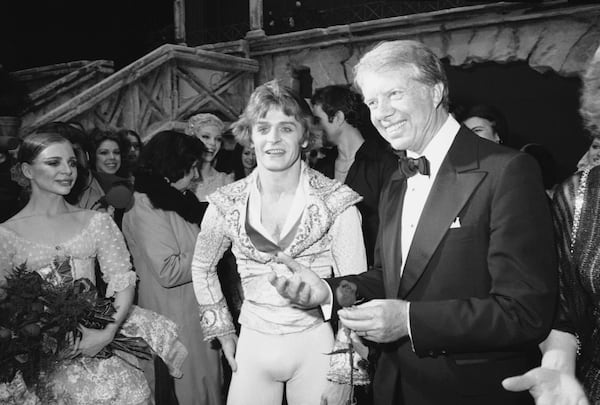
335	394
548	387
304	288
229	345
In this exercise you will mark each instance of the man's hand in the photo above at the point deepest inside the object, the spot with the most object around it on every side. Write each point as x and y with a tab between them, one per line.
304	288
336	394
229	345
380	321
548	387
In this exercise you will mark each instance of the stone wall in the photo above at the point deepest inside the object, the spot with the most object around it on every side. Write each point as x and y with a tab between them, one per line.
554	35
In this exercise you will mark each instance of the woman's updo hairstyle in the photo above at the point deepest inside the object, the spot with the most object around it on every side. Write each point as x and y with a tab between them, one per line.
35	143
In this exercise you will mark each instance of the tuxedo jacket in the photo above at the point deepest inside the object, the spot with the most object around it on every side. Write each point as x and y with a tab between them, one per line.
480	277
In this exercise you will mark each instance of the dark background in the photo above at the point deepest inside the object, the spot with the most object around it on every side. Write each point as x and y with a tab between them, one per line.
539	107
41	32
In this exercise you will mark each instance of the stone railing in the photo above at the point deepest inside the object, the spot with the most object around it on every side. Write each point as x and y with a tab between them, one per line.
159	90
53	85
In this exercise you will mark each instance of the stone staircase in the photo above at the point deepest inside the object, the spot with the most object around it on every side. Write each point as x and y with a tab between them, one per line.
158	91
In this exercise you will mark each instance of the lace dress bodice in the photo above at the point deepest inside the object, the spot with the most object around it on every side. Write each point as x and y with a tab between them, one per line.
100	238
89	380
579	269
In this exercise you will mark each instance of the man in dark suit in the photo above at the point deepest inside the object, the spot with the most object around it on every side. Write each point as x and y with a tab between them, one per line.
464	283
358	159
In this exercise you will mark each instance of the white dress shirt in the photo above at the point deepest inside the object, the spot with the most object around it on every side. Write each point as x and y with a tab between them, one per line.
419	186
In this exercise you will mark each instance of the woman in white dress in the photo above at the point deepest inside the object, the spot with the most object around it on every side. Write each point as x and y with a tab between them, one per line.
48	228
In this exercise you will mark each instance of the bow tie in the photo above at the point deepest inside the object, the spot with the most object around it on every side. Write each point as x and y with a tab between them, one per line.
411	166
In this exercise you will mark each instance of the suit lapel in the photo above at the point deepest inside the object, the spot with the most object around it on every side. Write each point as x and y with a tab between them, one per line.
456	180
391	223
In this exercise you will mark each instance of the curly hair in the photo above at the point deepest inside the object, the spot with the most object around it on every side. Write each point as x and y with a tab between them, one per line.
204	119
170	154
98	136
590	98
270	95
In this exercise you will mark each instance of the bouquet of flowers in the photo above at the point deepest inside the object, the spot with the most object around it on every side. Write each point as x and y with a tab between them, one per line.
40	315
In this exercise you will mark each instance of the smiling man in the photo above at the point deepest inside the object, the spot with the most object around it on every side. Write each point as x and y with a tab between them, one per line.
464	283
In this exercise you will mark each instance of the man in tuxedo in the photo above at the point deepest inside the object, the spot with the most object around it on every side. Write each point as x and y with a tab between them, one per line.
464	283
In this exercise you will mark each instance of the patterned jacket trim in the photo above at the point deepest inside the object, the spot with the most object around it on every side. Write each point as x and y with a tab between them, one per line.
326	200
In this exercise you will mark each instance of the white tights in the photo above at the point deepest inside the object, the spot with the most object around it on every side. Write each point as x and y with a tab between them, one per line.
266	363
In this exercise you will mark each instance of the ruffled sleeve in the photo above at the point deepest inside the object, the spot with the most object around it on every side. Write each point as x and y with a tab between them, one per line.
160	333
112	255
211	244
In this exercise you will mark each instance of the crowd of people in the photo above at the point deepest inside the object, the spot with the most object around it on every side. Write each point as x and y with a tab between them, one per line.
414	256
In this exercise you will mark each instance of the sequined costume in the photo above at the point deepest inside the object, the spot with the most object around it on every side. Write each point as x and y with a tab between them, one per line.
86	380
326	237
579	265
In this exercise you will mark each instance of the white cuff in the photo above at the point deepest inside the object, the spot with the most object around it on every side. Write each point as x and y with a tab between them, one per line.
408	326
327	308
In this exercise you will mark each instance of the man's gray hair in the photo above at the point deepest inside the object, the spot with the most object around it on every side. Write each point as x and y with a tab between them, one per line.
392	55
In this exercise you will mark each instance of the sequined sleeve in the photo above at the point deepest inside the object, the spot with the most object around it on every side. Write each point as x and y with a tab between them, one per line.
572	298
112	254
211	244
347	245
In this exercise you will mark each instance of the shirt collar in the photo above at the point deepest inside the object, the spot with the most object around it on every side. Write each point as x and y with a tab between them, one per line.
438	147
296	208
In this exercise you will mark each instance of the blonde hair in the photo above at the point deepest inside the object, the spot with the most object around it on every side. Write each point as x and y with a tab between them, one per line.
590	98
270	95
201	120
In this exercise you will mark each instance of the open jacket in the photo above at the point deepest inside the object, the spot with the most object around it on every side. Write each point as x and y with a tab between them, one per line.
327	239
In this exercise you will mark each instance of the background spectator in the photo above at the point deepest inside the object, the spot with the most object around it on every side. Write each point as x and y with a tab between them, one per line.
487	122
161	231
209	129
